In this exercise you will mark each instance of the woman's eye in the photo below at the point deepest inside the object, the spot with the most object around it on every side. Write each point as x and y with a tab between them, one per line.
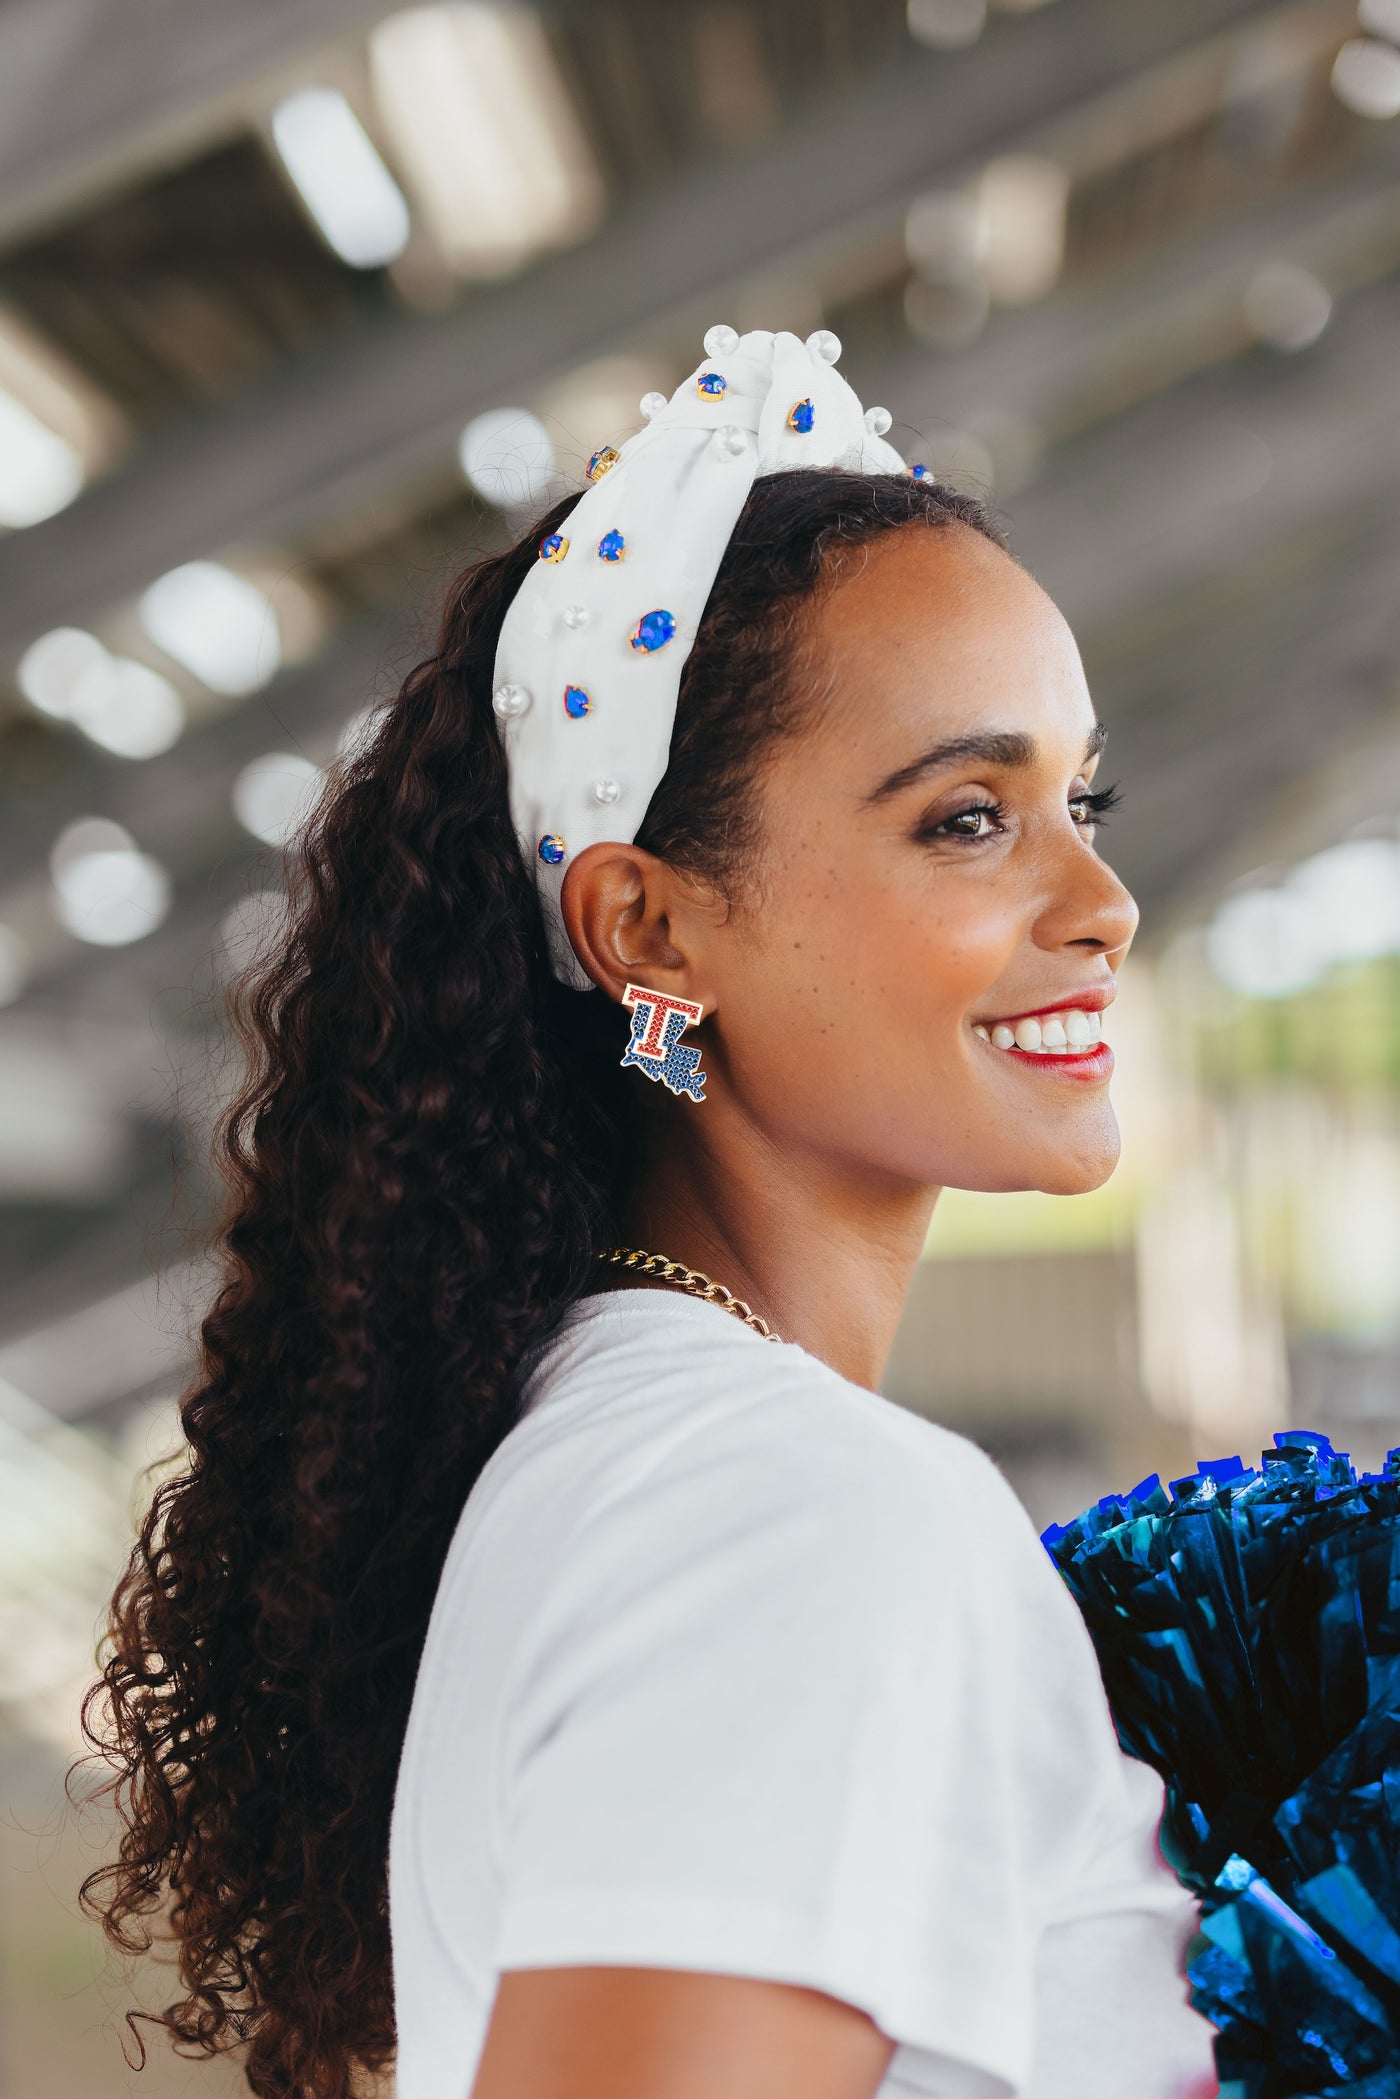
978	822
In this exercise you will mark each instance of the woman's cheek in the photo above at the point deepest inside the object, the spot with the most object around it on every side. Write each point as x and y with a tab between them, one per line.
964	960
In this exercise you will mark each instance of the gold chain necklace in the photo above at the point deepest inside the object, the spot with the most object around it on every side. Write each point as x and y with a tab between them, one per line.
638	1262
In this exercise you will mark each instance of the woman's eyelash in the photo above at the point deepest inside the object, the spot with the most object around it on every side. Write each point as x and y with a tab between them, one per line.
1098	801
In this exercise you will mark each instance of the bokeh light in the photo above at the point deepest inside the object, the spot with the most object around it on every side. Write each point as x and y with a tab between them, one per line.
275	794
508	458
106	890
215	623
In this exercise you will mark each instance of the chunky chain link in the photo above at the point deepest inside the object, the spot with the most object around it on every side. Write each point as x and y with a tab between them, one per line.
638	1262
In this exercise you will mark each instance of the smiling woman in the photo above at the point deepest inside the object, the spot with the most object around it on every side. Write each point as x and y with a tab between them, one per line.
738	1735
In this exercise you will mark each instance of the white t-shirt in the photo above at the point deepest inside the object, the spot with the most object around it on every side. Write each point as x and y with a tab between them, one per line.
736	1667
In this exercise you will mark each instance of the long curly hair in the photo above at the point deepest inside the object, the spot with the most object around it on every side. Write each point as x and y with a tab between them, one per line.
425	1156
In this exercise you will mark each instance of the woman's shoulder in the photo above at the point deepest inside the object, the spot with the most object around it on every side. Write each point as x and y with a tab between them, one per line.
710	1524
667	1404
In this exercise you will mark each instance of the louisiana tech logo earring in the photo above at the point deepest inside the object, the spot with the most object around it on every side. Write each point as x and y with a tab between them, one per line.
658	1022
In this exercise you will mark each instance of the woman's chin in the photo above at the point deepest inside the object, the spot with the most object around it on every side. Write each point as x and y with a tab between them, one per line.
1051	1170
1085	1171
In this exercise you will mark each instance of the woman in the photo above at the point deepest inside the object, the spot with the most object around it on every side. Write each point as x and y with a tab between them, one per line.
754	1747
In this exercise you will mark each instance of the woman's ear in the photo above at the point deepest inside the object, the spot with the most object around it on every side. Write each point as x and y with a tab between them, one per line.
633	920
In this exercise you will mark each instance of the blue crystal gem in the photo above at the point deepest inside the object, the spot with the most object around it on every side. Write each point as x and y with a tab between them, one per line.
653	630
576	702
712	384
921	473
801	417
553	547
612	546
601	462
551	848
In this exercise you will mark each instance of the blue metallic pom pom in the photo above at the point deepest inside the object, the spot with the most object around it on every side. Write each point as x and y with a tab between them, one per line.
576	702
551	848
653	630
612	546
1249	1641
710	385
801	417
553	547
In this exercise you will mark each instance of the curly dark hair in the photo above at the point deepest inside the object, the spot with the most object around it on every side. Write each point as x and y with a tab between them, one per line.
423	1161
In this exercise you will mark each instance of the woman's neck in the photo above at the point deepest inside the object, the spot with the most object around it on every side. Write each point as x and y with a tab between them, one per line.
824	1257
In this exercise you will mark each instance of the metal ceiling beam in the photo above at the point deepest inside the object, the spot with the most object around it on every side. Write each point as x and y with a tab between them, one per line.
98	93
379	408
1091	349
1237	456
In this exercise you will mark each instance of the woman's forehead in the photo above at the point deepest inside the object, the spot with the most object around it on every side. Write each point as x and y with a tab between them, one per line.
941	632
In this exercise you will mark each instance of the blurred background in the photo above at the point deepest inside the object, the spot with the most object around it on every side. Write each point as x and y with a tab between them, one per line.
305	303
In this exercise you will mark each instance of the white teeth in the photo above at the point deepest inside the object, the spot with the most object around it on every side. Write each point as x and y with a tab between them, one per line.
1067	1034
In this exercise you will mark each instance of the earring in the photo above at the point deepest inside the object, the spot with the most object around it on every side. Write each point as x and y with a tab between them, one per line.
658	1022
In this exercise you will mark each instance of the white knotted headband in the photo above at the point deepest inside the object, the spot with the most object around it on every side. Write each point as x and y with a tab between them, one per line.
591	651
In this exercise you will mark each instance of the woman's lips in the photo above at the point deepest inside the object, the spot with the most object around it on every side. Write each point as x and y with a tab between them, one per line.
1066	1039
1095	1063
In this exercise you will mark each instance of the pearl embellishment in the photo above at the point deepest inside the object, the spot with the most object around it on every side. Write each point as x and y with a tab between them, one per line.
877	421
575	616
729	441
606	791
652	404
509	701
825	344
720	340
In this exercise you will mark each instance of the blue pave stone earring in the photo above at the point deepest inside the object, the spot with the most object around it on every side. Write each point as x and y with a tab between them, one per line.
711	385
551	848
576	702
658	1022
612	546
801	417
553	547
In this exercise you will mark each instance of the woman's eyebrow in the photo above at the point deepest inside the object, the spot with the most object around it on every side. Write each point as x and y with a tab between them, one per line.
998	747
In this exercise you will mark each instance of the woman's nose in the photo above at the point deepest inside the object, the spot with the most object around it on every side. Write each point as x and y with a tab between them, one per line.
1093	910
